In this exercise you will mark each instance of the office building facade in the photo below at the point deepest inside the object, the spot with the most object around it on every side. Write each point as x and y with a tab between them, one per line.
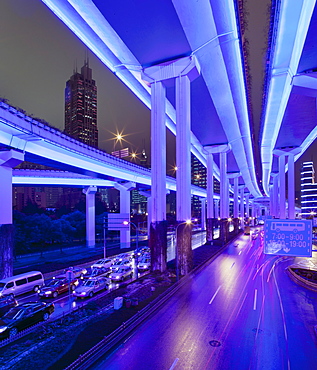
308	191
81	107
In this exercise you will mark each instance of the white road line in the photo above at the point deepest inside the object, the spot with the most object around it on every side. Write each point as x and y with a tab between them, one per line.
214	296
255	295
174	364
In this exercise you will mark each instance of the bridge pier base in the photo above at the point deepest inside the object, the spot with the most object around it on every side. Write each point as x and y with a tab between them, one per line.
236	225
184	253
158	245
223	230
6	251
210	229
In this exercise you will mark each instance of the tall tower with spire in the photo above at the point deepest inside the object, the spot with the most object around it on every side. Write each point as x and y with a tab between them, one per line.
81	106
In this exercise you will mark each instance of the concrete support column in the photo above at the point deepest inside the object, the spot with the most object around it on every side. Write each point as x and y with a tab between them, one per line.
275	196
8	160
291	186
271	200
183	173
125	208
223	186
235	177
203	213
236	198
222	149
157	219
184	70
148	196
247	210
252	214
158	227
281	174
242	206
90	193
217	213
282	154
210	197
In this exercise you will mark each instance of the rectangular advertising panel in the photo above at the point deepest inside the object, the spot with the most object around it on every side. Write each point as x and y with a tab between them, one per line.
288	237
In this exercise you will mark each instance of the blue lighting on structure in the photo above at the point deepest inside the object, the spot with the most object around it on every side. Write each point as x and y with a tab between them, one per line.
85	20
294	20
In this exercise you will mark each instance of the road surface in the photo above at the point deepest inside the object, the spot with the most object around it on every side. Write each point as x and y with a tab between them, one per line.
240	312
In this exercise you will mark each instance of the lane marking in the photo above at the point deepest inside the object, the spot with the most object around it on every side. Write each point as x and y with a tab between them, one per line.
241	305
214	296
232	265
255	295
174	364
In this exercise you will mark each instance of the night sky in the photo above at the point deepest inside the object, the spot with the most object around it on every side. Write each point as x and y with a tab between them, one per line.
39	54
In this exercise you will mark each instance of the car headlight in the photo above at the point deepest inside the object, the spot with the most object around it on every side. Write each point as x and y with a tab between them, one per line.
117	277
83	293
3	328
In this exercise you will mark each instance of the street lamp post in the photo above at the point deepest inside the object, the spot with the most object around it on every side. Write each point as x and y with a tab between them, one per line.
188	222
104	237
136	242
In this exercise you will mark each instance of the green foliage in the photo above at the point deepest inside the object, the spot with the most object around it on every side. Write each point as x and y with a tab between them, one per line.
39	230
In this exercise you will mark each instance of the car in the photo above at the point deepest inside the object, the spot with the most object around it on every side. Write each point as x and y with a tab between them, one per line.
139	252
144	263
91	287
78	272
105	262
23	316
121	257
7	302
119	264
122	273
57	286
101	271
146	250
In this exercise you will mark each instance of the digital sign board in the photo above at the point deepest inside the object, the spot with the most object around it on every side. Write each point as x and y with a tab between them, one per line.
288	237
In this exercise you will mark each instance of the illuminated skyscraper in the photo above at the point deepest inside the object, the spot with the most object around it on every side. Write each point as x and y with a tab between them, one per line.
308	190
81	107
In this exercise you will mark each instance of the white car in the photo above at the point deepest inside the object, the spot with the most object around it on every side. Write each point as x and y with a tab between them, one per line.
123	256
122	263
91	287
122	273
144	263
104	262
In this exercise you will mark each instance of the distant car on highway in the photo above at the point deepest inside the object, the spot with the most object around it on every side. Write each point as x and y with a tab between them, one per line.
79	272
122	273
119	264
105	262
57	286
101	271
121	257
144	264
23	316
91	287
6	303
